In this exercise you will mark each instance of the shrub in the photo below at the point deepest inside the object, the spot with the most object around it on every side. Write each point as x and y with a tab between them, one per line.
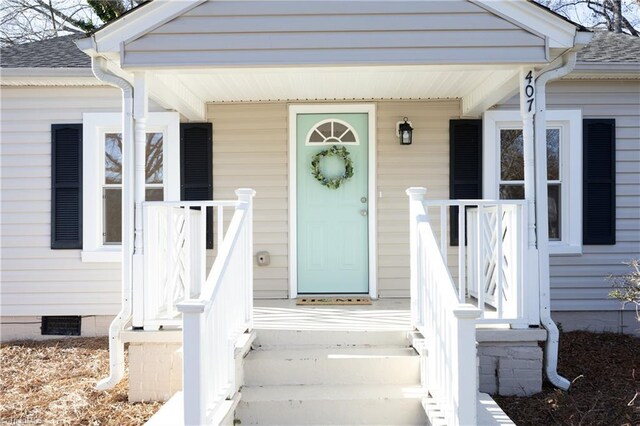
626	287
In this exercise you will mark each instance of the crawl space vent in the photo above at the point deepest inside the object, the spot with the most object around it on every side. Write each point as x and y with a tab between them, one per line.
61	326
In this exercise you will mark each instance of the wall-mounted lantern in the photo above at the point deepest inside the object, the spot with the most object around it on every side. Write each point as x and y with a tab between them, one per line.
405	131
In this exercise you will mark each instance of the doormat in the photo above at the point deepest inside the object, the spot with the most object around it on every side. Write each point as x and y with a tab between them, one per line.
333	301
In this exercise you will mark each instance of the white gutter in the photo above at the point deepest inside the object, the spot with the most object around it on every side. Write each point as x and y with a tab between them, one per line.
542	222
46	72
116	345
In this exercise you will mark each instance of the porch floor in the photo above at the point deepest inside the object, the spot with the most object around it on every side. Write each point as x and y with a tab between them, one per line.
383	314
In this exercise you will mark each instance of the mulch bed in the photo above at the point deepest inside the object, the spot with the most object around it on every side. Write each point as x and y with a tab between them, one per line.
602	368
53	382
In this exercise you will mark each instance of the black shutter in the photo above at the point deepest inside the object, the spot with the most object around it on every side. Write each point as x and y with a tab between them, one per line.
599	182
465	167
66	186
196	169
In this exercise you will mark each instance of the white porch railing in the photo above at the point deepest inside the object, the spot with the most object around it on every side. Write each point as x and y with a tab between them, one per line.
175	258
490	261
213	321
448	368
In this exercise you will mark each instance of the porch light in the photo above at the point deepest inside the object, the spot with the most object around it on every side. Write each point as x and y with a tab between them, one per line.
405	131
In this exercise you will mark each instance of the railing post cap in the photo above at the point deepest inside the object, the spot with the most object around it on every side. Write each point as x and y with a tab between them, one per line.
416	192
245	193
467	311
191	306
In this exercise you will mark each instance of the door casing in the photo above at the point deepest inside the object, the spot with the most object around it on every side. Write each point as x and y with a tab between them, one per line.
294	110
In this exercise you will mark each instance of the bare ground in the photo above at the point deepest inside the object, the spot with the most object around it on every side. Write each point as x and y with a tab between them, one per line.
53	382
602	367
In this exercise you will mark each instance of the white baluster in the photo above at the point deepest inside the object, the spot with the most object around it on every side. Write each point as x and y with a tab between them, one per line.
462	243
443	235
480	258
499	260
188	273
203	249
167	292
220	226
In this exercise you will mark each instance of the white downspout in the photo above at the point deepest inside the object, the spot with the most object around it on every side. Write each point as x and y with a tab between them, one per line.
116	346
542	222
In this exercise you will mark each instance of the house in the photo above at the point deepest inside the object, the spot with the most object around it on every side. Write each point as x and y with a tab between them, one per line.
109	149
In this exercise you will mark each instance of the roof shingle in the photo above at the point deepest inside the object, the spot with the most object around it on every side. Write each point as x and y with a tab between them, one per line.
60	52
610	47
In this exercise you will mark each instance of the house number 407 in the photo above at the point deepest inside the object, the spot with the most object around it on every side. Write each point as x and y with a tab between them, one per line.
529	90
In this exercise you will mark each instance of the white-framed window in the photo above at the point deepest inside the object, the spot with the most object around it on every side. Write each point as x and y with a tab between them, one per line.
503	170
102	177
332	132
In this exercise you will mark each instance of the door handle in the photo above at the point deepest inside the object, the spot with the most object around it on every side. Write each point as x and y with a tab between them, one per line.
363	212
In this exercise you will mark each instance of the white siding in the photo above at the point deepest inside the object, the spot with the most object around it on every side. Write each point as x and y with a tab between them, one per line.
424	163
250	149
579	282
35	279
318	32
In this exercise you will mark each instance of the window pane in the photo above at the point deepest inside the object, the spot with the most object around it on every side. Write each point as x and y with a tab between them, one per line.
154	194
553	154
338	129
112	215
554	211
113	158
512	192
349	137
511	155
154	158
325	130
316	137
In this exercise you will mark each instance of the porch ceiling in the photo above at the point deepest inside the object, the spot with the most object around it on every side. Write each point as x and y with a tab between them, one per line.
343	83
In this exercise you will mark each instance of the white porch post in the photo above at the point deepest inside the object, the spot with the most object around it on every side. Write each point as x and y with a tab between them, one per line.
140	112
246	195
416	195
530	276
527	111
465	378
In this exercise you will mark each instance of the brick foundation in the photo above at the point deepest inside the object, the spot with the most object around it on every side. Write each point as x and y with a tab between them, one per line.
510	361
155	371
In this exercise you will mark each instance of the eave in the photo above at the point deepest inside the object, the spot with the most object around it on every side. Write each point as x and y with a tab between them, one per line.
605	71
48	77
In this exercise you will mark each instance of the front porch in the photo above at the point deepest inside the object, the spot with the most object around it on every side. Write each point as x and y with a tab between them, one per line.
300	363
201	312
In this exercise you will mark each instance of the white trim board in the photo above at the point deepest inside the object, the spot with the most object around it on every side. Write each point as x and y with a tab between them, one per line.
134	24
364	108
570	124
558	32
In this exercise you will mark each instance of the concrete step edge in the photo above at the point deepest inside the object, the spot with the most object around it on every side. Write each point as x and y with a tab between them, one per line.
280	393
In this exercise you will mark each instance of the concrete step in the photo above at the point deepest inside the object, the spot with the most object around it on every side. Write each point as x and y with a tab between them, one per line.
325	366
273	339
331	405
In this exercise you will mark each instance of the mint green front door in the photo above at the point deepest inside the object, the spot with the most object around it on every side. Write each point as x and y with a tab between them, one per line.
332	224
